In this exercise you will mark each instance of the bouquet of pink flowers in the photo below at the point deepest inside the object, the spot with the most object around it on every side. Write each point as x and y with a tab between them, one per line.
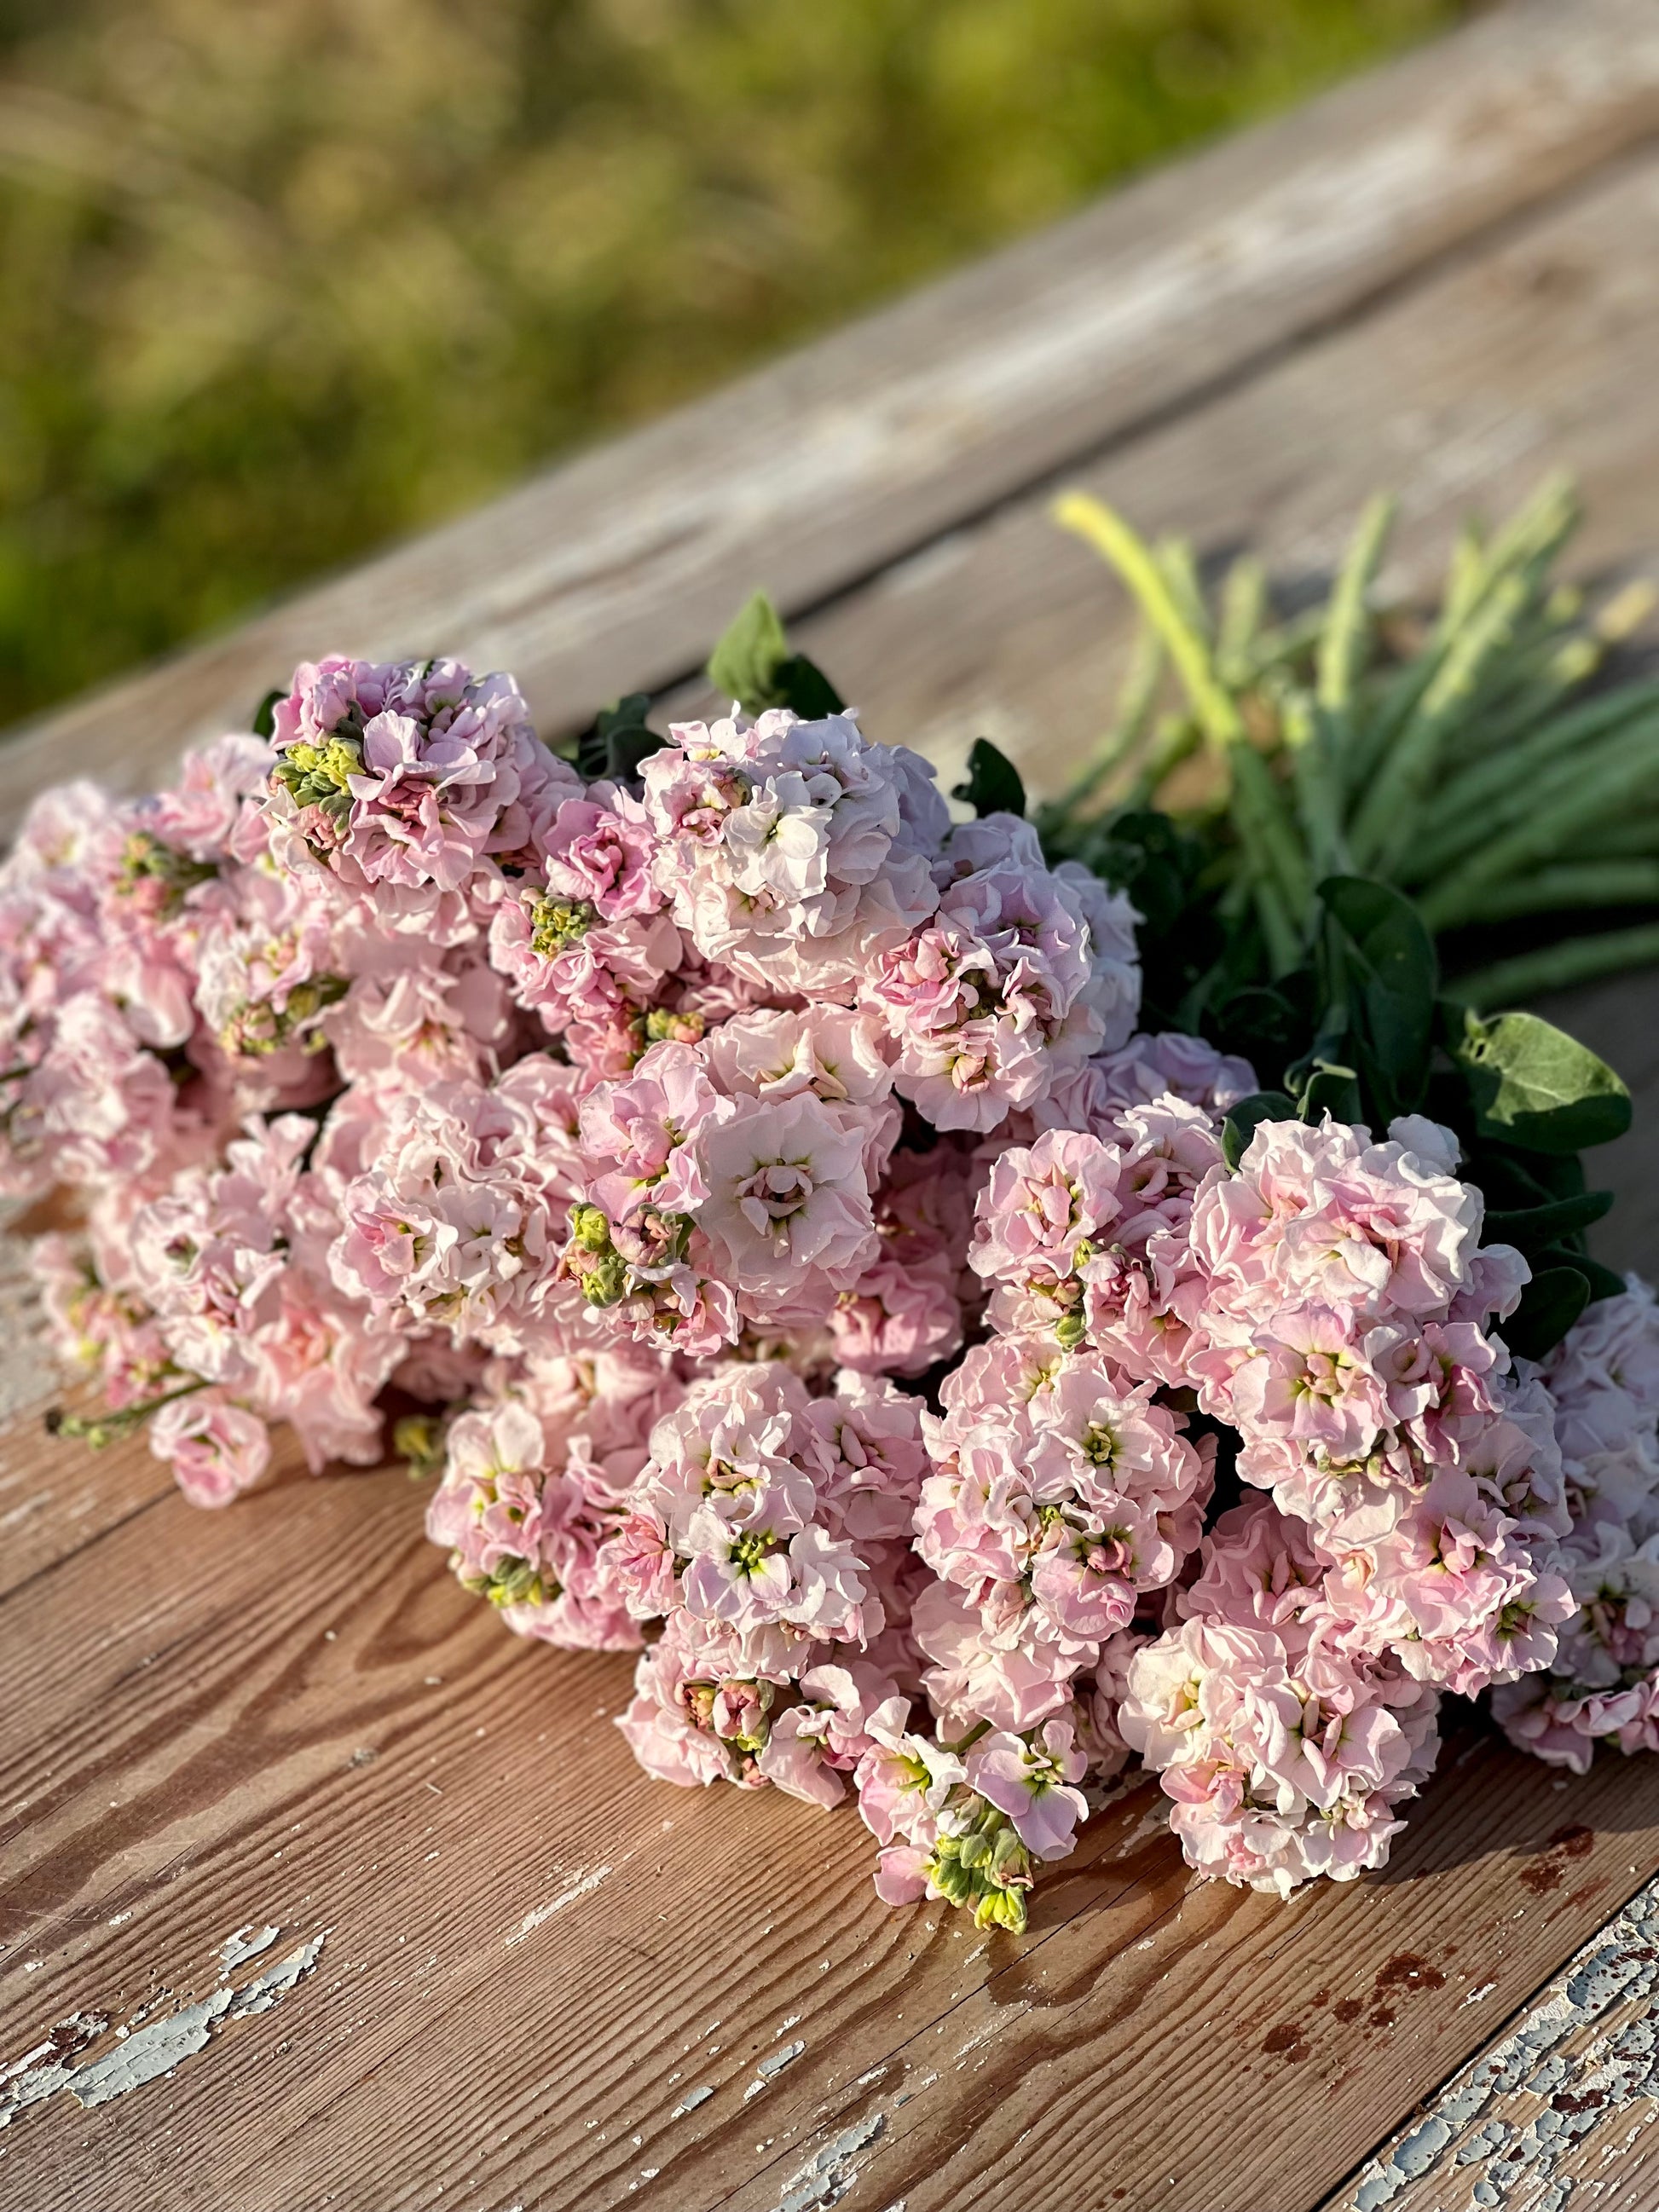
745	1191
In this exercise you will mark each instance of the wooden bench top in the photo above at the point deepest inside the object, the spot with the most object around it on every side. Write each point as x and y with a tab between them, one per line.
508	1971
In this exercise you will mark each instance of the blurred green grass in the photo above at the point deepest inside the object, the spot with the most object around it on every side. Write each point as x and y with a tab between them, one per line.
280	279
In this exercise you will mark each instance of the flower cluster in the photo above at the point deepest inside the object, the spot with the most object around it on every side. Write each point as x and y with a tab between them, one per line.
742	1187
1327	1301
1603	1685
1285	1739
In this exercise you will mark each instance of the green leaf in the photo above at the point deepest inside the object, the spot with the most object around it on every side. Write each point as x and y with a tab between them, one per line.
1603	1283
1246	1117
753	665
803	685
618	741
265	715
1263	1023
1549	1305
745	665
1333	1091
1534	1085
1532	1226
1393	967
993	784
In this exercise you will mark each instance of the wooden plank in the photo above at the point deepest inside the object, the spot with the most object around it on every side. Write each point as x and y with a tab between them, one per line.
1461	394
1562	2102
615	571
1464	390
182	1666
313	1728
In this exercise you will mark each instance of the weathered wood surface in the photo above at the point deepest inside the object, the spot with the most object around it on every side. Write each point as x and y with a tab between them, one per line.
289	1715
615	570
1560	2104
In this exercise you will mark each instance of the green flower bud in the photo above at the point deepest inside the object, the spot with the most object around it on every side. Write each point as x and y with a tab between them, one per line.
589	1227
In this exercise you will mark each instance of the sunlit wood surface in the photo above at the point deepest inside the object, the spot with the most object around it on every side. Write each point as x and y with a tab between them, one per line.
535	1963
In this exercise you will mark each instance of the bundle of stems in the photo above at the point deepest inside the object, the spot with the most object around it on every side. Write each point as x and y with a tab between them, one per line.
1476	763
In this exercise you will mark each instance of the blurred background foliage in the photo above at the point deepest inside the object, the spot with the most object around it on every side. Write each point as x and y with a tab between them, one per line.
280	279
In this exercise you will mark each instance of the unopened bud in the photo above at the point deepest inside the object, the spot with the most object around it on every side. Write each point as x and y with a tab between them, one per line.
590	1228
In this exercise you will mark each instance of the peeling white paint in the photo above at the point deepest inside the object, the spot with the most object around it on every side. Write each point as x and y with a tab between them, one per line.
154	2050
832	2171
690	2102
1513	2113
45	2069
246	1943
581	1886
143	2053
268	1988
779	2059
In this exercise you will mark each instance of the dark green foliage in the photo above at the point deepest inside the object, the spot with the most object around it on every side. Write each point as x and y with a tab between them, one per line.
753	665
1160	868
1531	1228
993	784
263	724
1549	1305
619	740
1382	973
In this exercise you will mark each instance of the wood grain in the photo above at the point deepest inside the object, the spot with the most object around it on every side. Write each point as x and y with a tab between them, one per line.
613	572
262	1739
1462	392
1563	2099
290	1713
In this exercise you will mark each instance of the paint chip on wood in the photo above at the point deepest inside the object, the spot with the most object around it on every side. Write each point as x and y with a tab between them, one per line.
245	1944
832	2171
147	2049
581	1887
1546	2057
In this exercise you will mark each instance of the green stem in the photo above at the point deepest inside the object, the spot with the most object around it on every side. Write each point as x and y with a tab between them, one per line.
1177	739
1525	546
1244	604
1311	739
1095	523
1284	944
1128	726
1347	625
1627	778
100	1429
1557	967
1266	831
1496	794
1387	819
1590	882
1536	687
963	1742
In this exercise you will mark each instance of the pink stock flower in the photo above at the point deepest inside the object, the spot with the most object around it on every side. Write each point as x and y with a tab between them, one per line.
794	852
642	1129
786	1209
1031	1779
639	1131
218	1450
903	1778
405	779
1044	1205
